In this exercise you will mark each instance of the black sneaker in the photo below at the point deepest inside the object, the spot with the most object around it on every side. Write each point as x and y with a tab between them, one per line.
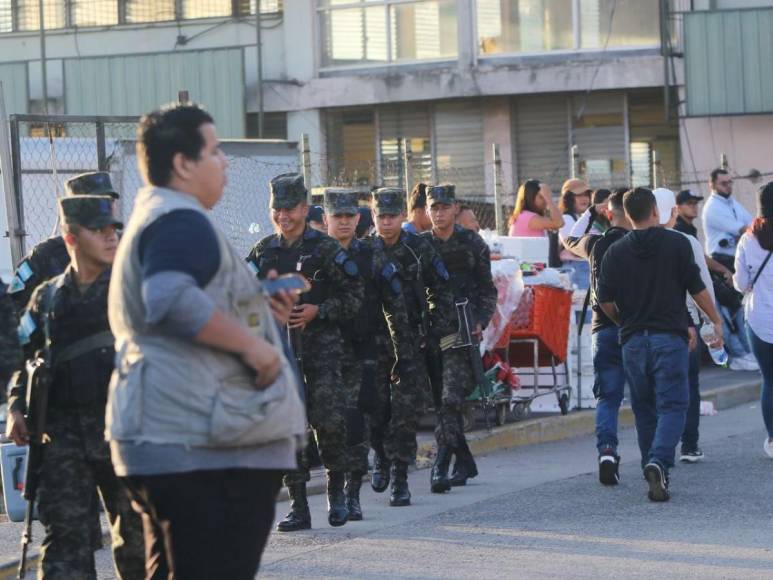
609	464
691	455
658	481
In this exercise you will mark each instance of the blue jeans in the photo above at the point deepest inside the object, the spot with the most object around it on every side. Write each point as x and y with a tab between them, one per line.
656	368
581	273
690	435
736	342
608	385
763	352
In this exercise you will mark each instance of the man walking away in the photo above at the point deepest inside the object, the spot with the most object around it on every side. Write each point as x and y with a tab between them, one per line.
609	375
644	278
204	409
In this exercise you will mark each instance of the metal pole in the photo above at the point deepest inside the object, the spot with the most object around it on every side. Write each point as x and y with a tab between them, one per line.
499	217
306	165
407	165
183	97
655	169
15	231
259	85
43	67
101	148
723	161
575	152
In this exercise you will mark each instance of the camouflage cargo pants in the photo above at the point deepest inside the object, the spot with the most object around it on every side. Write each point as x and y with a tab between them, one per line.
76	463
400	405
325	402
458	383
357	422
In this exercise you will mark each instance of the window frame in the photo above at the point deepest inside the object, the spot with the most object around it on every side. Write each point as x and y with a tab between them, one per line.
576	33
323	7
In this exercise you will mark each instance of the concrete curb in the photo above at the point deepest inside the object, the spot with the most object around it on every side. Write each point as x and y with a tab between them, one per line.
553	428
528	432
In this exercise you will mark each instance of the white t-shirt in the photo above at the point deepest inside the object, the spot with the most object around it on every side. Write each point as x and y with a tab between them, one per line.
759	301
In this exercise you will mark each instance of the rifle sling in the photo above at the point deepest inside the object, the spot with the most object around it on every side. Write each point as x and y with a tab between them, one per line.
102	339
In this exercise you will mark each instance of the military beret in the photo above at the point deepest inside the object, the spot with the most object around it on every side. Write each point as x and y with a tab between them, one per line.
92	183
388	201
287	191
89	211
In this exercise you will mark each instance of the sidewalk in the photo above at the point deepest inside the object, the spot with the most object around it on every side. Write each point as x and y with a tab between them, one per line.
724	388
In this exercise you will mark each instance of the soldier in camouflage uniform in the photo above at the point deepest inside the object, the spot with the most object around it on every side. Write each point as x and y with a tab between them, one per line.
467	258
336	294
49	258
10	350
430	306
76	458
380	325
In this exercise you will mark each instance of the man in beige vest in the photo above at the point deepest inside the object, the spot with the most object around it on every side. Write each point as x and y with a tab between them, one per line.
204	411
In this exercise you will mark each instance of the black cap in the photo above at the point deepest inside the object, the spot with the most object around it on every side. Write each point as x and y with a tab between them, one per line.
340	201
441	194
89	211
92	183
388	201
686	195
315	214
287	191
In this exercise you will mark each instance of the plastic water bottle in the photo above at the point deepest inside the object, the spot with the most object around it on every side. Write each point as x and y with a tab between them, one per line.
718	355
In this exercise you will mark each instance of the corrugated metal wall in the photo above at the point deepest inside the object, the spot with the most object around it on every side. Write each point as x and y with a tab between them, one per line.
404	122
599	133
728	64
14	79
133	85
459	150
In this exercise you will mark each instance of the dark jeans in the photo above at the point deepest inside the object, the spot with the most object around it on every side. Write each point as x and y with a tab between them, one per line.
656	367
205	524
690	435
763	352
608	385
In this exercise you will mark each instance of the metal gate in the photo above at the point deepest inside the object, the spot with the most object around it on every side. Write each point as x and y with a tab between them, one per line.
47	150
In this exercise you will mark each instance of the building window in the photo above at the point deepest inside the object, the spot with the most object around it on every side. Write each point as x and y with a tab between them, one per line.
534	26
374	32
274	126
23	15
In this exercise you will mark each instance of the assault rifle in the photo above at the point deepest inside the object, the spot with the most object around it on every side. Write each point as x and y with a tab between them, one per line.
468	339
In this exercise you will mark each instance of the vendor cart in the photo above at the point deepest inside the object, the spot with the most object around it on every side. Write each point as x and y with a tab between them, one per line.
495	395
536	339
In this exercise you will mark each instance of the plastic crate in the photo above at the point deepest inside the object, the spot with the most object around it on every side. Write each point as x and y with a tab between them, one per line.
543	313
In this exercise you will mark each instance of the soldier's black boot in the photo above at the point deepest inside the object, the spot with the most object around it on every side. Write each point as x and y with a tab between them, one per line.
400	496
439	482
464	466
379	480
337	514
353	484
299	517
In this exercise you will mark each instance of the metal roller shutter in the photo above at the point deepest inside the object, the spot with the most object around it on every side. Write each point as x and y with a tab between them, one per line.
459	147
406	122
599	134
541	135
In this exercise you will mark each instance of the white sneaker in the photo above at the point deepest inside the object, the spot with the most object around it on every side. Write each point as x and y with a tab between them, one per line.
742	364
768	446
751	361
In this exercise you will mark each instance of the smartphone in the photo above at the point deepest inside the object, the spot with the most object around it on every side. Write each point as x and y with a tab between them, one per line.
291	282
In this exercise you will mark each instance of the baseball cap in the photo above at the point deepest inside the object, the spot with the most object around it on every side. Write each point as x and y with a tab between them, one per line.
576	186
666	202
686	195
315	214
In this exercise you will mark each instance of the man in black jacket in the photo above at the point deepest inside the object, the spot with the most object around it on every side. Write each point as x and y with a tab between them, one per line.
609	376
642	286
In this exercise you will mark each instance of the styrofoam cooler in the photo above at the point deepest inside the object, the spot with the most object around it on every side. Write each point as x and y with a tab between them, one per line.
13	466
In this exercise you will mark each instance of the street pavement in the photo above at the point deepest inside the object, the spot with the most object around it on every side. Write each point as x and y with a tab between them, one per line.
539	512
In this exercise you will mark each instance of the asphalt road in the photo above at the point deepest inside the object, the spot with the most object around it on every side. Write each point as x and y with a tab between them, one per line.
539	512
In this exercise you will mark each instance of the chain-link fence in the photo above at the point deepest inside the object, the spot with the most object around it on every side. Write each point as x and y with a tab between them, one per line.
47	151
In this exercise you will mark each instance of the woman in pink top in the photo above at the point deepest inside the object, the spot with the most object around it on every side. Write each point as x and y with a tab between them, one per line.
535	211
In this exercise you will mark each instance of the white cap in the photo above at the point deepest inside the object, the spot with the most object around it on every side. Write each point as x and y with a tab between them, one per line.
666	201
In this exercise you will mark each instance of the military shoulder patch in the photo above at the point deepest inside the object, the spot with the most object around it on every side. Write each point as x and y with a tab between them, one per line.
440	268
349	265
27	327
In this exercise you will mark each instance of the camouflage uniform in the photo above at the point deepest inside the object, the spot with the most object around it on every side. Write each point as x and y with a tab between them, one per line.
467	258
430	304
76	459
49	258
379	332
10	350
337	289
